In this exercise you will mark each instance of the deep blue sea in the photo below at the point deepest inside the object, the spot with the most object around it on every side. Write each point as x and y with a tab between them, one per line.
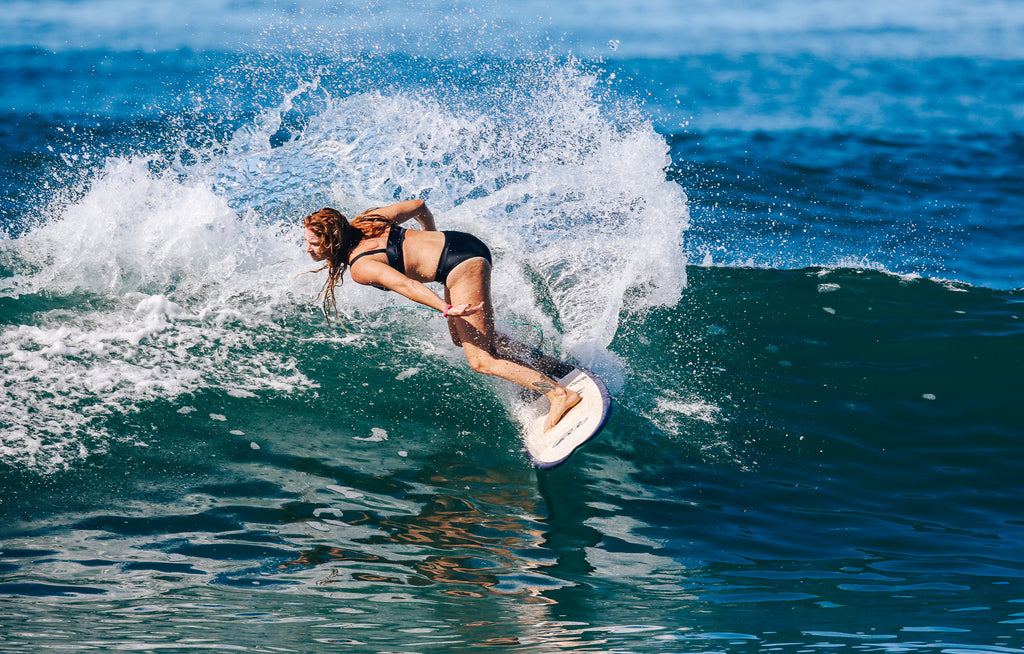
788	235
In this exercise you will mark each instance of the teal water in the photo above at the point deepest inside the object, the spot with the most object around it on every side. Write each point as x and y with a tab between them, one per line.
825	463
787	239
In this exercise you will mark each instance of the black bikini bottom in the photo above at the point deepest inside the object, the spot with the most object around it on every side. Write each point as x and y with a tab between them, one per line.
459	247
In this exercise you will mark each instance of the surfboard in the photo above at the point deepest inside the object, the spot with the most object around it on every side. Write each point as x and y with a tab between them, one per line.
581	423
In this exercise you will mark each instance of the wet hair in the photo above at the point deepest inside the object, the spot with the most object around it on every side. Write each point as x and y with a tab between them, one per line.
338	237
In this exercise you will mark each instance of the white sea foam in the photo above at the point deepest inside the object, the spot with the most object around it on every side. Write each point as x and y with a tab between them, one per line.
177	273
406	374
63	381
376	436
670	411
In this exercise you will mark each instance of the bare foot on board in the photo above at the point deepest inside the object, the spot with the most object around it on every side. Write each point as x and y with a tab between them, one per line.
561	403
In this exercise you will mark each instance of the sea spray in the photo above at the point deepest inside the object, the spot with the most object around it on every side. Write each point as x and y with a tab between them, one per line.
569	193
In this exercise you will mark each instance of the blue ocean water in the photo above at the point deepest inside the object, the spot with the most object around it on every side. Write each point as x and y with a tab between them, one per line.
787	235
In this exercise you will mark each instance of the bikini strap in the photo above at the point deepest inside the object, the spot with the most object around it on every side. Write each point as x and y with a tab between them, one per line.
365	254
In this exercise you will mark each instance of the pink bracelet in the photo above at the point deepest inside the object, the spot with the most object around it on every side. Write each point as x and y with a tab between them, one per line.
444	314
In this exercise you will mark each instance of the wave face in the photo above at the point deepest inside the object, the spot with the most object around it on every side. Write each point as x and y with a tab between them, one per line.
788	239
161	268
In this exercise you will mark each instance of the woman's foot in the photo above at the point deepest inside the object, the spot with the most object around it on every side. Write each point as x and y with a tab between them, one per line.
562	399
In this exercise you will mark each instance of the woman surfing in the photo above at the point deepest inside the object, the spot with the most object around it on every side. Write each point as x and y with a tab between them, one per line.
379	252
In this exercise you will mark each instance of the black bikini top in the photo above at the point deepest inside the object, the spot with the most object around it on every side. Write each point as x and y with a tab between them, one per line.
394	250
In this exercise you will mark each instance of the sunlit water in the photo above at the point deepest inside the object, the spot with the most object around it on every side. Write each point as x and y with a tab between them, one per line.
786	236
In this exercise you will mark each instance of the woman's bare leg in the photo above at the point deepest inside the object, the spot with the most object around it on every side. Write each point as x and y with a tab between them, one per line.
507	347
470	282
451	321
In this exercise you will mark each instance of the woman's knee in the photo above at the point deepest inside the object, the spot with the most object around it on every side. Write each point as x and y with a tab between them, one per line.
481	362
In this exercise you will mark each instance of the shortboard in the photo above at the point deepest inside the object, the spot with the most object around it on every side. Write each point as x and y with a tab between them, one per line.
581	423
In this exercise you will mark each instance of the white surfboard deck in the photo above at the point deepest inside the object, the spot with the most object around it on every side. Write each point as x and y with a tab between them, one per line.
550	448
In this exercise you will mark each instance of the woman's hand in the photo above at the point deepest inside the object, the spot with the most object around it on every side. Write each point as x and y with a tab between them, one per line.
462	310
401	212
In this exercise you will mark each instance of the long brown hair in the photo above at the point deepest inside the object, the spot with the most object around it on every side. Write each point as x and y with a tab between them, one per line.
338	237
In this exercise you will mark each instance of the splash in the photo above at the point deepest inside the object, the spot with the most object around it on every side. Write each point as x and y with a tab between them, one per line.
569	191
165	281
152	289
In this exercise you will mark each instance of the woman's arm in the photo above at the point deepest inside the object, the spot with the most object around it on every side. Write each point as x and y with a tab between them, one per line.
377	272
409	210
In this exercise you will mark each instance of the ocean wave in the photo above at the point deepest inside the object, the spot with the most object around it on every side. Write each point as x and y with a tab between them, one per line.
183	273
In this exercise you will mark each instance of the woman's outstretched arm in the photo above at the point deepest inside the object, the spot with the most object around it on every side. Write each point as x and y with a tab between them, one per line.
381	274
417	210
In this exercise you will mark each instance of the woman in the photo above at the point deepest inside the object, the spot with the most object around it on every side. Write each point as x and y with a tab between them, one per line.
379	252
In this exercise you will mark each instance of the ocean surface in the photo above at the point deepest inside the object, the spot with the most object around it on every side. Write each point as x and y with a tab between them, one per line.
788	235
